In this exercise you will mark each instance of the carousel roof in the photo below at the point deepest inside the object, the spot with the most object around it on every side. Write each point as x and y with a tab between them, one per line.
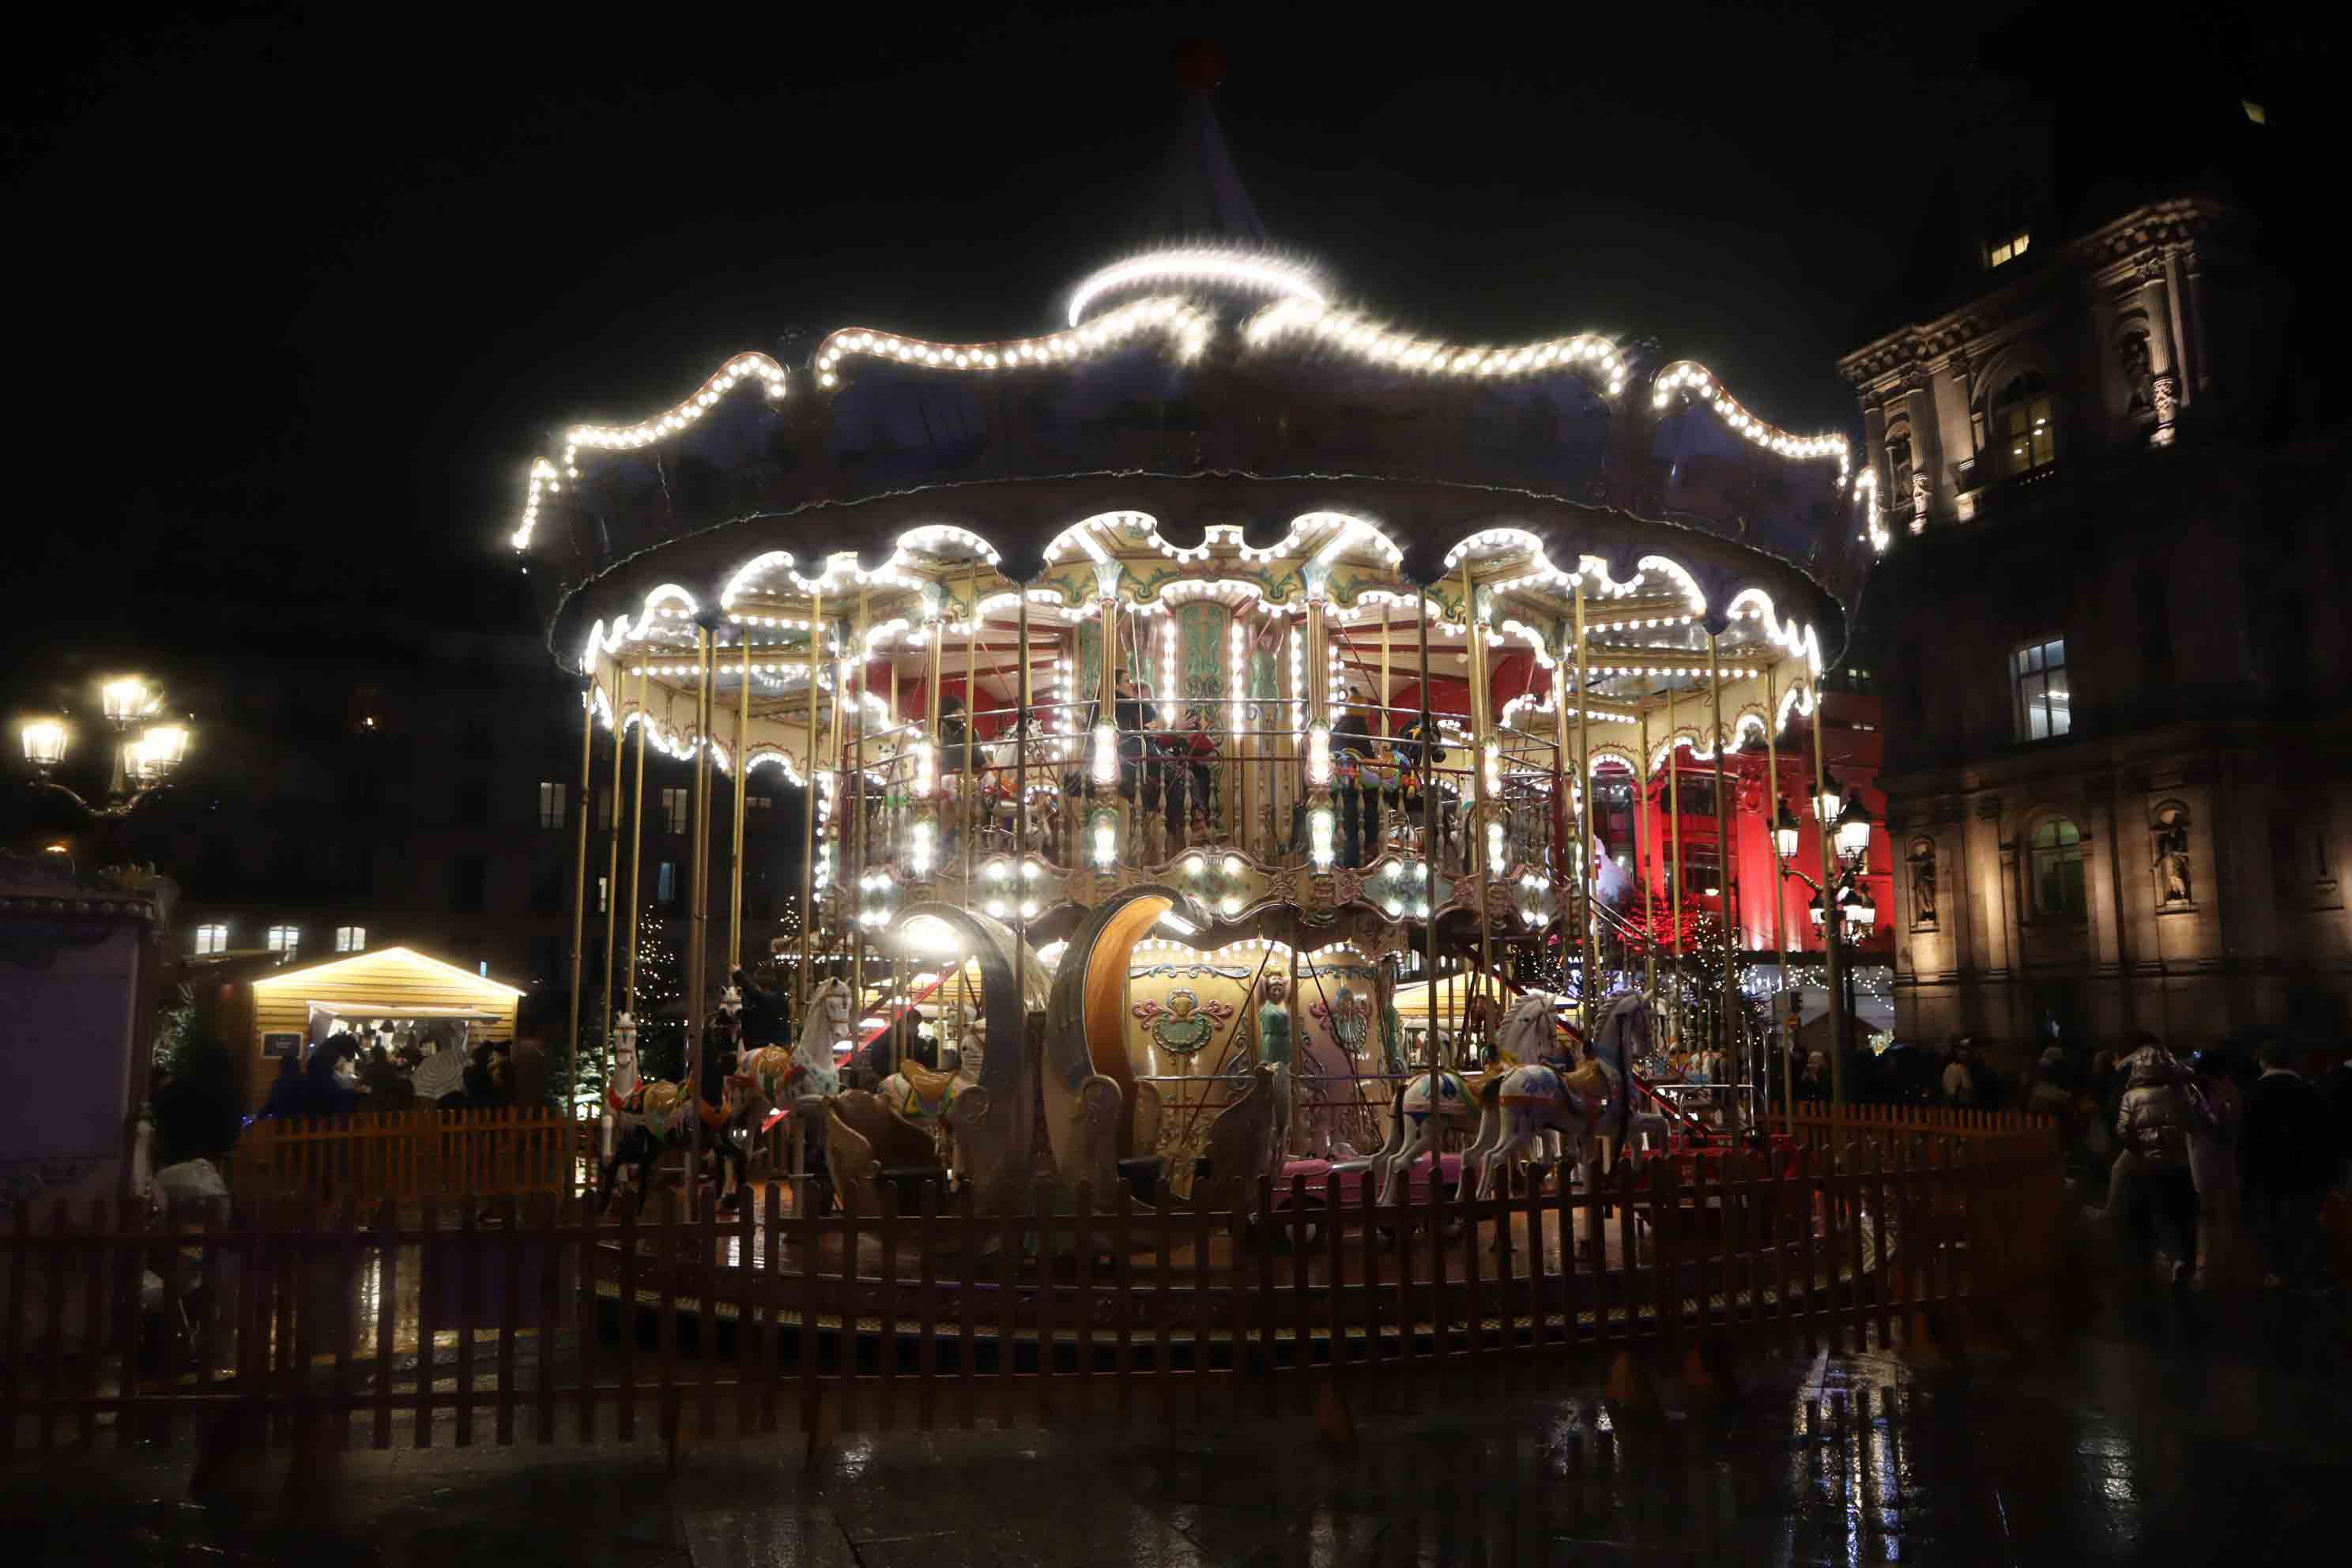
1207	417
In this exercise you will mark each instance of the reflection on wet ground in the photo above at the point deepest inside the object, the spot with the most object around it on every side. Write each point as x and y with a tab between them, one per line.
2134	1427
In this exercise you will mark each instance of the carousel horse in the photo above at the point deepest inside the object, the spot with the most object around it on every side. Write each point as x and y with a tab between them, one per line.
1627	1032
768	1080
645	1118
1414	1130
1549	1095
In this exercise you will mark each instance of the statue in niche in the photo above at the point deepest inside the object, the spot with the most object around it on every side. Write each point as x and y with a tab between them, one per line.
2172	879
2139	373
1923	884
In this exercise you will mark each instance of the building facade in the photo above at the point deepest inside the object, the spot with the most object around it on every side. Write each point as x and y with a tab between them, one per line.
2116	735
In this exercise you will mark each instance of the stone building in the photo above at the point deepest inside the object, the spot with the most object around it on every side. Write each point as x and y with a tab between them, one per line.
2116	727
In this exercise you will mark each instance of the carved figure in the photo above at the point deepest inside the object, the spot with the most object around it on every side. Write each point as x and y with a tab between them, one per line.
1419	1120
1923	884
2172	879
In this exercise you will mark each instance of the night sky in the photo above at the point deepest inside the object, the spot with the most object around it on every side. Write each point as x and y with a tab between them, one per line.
298	296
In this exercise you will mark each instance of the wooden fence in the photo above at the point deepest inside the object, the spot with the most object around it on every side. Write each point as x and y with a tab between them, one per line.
406	1155
339	1325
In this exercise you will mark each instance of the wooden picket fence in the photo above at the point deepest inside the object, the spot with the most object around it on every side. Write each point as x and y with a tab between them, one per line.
406	1155
290	1321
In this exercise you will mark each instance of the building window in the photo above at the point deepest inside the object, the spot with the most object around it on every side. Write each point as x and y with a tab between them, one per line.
2044	706
666	885
604	894
1898	475
473	802
2057	871
1701	879
604	809
674	809
285	939
550	803
2007	250
757	802
351	939
211	939
2022	425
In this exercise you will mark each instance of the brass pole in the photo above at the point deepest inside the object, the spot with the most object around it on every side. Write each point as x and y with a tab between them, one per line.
636	840
970	724
579	914
1021	807
1645	849
613	858
1482	730
1675	869
1724	1043
1829	917
1563	814
1779	885
742	790
814	793
697	945
1428	868
1590	927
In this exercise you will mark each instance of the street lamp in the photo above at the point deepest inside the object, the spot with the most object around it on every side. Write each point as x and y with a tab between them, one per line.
145	755
1827	803
1786	833
1853	827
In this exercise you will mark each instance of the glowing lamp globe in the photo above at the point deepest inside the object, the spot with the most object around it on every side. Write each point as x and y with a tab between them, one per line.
164	746
123	699
1785	833
44	742
1854	832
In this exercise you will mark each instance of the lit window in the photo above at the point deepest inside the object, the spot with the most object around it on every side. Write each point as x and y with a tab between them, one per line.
211	939
2038	673
2009	249
2022	425
551	804
757	802
674	809
351	939
285	939
2057	861
604	893
666	885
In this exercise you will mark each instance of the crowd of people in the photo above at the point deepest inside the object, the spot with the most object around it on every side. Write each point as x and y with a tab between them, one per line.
344	1074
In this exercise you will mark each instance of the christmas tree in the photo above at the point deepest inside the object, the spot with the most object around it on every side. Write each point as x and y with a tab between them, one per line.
661	988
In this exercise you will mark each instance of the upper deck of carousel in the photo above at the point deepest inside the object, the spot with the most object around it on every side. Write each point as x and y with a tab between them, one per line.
1220	395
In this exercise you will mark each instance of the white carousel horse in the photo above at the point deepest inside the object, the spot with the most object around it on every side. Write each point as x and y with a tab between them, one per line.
644	1117
1543	1098
1413	1130
1626	1032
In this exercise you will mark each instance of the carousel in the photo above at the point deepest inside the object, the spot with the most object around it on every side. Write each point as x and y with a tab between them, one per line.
1199	698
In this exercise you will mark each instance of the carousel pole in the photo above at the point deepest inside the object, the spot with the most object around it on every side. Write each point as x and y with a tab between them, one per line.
1482	729
580	916
636	839
1428	868
1645	849
855	838
1021	809
1563	816
697	945
1724	1044
1838	1020
742	789
1586	840
612	860
1780	875
970	724
808	812
1674	865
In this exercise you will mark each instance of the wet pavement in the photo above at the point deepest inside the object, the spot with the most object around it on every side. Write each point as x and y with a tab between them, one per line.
2134	1426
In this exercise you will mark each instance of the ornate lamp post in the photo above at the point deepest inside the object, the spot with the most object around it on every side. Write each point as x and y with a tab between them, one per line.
147	749
1847	823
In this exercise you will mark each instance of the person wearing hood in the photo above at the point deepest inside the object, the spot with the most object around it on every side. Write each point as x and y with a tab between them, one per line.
2159	1116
